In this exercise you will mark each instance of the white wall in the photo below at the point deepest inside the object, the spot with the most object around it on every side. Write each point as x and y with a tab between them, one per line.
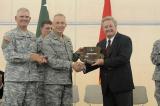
139	19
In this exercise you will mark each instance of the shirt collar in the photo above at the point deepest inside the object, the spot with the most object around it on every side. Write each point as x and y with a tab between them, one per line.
111	38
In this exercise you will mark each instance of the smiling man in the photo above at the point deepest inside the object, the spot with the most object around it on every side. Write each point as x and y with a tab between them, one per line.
115	69
58	73
21	75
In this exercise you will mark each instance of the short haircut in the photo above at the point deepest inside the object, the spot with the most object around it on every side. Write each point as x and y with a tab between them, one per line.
109	18
59	14
46	22
22	9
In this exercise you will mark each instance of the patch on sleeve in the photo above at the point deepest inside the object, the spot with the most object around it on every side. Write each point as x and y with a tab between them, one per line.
5	42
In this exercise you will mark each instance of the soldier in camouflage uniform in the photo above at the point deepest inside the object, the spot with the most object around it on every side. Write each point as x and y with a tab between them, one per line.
46	27
155	58
58	73
21	74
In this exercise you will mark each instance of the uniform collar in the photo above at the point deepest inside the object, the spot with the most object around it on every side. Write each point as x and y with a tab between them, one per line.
23	33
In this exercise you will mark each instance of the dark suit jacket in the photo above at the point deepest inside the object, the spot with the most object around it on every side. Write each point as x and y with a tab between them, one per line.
116	72
1	89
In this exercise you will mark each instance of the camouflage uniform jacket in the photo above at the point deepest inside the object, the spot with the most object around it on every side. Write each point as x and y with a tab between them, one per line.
59	54
155	58
17	51
41	67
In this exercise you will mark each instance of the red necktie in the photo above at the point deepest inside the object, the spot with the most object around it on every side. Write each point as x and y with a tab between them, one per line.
108	46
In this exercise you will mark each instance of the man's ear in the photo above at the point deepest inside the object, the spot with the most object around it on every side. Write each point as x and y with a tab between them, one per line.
29	19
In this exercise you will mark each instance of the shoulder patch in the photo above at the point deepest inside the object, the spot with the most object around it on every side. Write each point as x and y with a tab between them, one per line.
5	42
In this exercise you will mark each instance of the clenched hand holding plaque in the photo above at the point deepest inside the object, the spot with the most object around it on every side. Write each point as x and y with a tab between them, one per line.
90	54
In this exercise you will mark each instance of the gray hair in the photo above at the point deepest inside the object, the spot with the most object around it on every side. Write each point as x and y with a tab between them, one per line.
59	14
22	9
109	18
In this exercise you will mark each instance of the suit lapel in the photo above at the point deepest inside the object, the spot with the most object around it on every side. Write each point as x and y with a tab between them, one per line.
114	43
102	45
113	46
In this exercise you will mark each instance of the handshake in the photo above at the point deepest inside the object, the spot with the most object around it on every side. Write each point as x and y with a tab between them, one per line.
89	55
38	58
78	66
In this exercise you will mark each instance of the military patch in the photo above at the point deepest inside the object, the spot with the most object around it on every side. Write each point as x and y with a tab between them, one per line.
5	42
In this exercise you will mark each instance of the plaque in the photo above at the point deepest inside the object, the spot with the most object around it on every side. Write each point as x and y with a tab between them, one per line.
90	54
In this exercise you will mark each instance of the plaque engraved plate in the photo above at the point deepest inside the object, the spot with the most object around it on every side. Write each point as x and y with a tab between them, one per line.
90	54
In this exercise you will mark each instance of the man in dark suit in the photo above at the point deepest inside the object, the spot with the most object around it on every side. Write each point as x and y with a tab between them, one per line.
115	70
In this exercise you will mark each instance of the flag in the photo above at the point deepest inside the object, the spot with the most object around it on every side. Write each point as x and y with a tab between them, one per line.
106	12
42	16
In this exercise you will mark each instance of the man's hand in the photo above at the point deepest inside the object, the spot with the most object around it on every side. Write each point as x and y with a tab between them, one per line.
78	66
98	62
38	58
